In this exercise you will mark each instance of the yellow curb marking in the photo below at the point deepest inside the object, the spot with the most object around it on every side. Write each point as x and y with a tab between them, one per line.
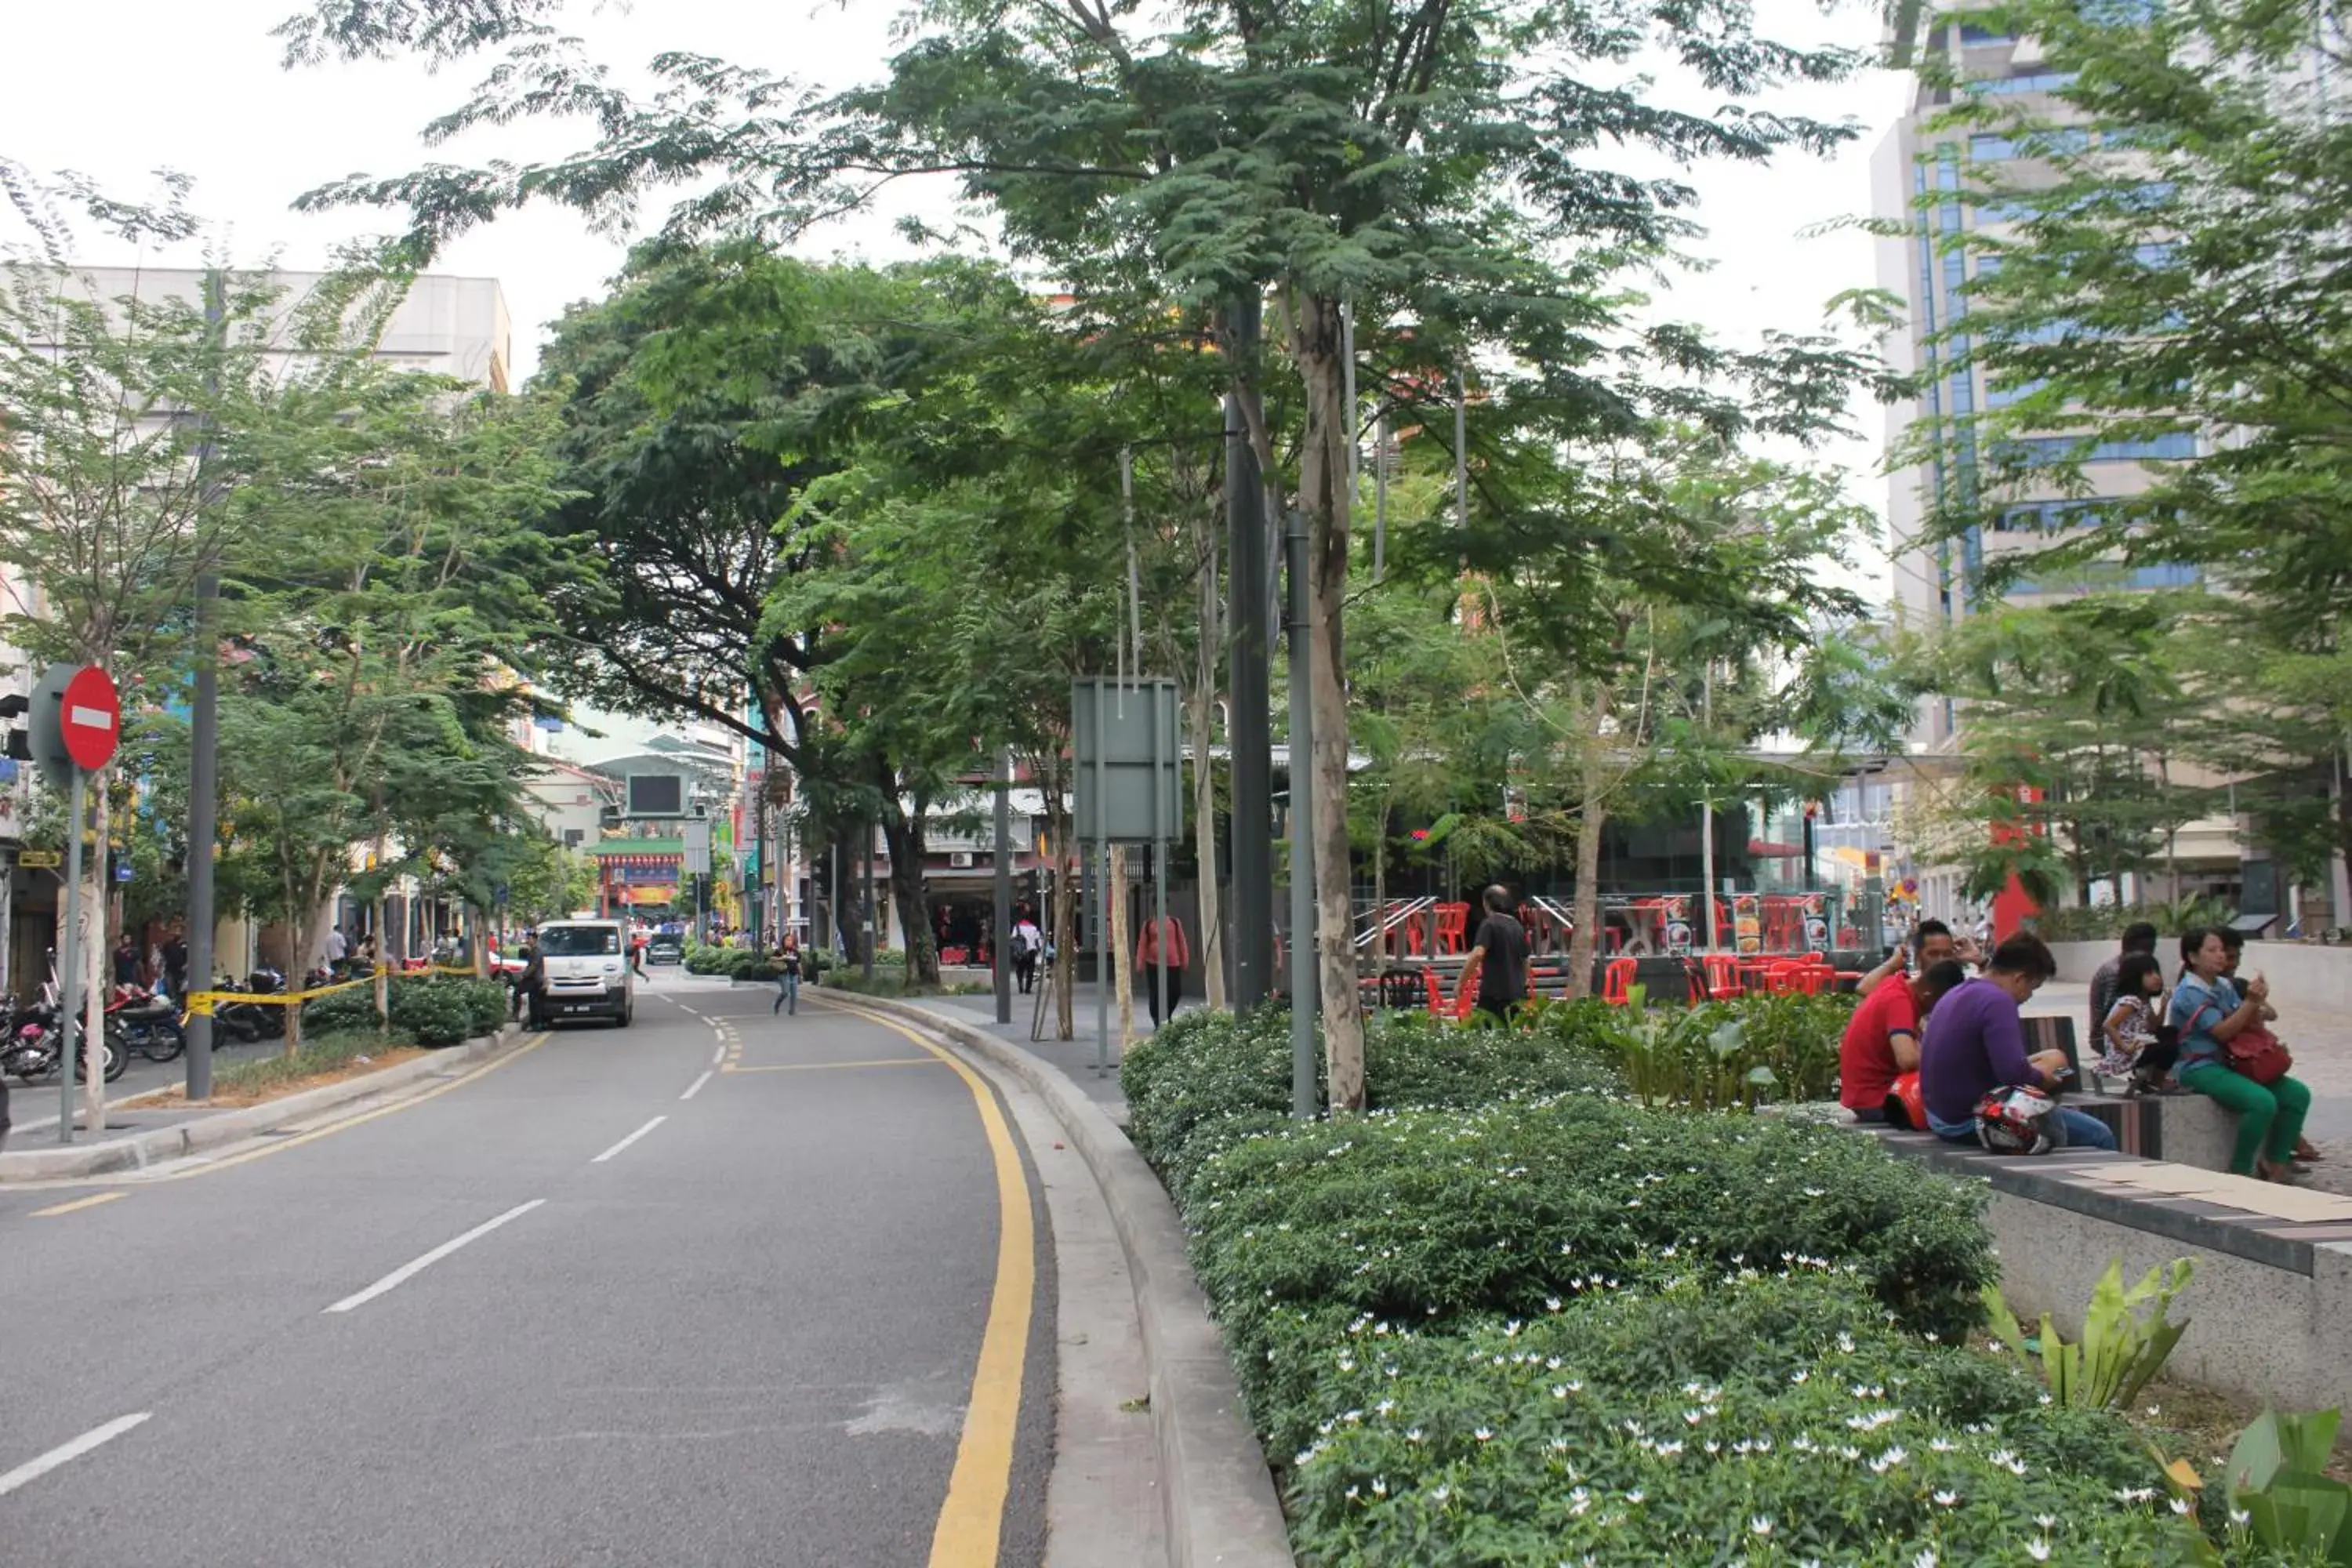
88	1202
972	1517
316	1134
827	1067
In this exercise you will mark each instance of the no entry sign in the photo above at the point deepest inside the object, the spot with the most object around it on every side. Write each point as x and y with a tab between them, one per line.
91	718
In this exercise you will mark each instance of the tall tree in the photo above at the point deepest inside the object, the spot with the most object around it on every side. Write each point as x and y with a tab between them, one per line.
1412	157
364	702
2155	258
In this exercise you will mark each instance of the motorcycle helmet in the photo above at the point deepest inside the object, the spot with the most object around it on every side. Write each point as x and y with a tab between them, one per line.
1907	1107
2020	1119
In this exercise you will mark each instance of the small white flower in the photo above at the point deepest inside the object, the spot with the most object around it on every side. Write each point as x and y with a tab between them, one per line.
1946	1500
2180	1506
1438	1494
2239	1516
1926	1559
1760	1525
1484	1433
1943	1446
1799	1376
1413	1434
1693	1417
1380	1486
1889	1460
2037	1549
1636	1495
1668	1450
2048	1522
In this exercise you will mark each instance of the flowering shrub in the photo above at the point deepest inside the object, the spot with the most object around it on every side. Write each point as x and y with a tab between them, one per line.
1751	1418
1533	1321
1430	1216
1227	1075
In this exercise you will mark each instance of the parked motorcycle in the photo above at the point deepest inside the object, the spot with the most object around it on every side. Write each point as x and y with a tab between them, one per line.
244	1022
31	1042
150	1024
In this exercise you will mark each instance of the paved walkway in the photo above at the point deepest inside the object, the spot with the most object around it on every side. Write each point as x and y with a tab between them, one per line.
2323	1059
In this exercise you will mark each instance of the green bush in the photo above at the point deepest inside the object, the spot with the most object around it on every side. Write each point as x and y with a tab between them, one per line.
1761	1418
342	1010
1215	1069
1754	1050
447	1010
1432	1216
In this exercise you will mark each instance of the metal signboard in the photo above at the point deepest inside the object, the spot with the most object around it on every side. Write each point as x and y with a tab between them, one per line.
1124	734
698	849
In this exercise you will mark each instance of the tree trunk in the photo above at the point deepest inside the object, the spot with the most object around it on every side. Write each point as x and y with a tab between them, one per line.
383	955
903	836
1323	490
1591	817
1121	942
1198	707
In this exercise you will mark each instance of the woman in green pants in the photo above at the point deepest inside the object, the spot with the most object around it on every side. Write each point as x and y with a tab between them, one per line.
2209	1013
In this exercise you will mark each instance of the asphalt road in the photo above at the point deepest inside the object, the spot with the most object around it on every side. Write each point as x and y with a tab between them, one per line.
523	1323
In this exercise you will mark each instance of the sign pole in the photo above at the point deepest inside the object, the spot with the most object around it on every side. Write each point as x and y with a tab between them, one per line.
70	982
1001	946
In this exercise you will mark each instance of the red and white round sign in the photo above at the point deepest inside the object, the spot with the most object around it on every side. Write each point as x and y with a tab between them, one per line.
92	718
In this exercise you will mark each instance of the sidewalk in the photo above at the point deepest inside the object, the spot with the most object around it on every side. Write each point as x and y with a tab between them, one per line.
1074	1058
2323	1060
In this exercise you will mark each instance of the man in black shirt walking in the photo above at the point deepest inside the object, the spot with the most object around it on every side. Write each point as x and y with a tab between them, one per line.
1502	945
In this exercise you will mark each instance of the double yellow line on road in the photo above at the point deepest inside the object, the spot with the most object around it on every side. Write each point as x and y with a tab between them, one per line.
973	1519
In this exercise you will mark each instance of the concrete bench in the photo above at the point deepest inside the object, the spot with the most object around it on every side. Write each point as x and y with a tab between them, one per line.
2186	1129
2270	1312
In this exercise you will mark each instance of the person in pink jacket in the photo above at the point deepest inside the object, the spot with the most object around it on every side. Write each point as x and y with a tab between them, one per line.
1161	953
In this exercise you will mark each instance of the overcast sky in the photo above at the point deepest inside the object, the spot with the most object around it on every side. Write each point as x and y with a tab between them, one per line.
117	91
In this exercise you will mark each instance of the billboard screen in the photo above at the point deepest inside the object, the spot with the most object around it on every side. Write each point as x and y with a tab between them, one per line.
657	795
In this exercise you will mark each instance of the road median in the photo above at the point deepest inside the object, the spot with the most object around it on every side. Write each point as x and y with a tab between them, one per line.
1217	1492
201	1133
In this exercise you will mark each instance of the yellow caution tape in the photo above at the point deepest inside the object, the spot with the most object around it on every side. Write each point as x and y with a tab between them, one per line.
205	1001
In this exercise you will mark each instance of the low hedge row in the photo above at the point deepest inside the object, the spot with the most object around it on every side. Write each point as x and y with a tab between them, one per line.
735	963
427	1009
1715	1418
1522	1318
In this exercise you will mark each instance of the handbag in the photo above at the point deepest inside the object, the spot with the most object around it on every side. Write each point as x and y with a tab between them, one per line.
2255	1053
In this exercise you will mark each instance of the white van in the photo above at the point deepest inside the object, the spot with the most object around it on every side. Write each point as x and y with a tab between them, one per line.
587	966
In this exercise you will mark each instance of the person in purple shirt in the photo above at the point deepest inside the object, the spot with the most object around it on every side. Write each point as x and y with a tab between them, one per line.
1975	1044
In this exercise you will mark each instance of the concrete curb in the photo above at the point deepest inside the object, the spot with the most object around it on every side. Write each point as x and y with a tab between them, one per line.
184	1137
1215	1487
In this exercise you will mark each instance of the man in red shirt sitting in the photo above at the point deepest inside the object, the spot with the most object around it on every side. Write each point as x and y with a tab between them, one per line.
1881	1039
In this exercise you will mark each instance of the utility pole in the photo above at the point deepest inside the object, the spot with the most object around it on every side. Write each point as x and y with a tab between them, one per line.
1248	589
204	743
1000	945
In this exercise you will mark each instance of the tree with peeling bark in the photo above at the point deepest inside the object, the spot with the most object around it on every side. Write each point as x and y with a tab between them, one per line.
1649	685
1419	159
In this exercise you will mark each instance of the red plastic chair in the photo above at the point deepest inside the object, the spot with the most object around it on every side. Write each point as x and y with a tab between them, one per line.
1453	927
1466	993
1617	981
1723	976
